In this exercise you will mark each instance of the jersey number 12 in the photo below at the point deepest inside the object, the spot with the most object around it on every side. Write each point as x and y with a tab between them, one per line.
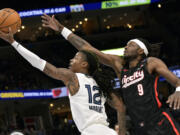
93	98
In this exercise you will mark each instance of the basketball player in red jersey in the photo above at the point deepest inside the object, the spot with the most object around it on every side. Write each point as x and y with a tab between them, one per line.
138	75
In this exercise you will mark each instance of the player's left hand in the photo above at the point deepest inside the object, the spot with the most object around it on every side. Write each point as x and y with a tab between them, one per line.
51	22
9	37
174	100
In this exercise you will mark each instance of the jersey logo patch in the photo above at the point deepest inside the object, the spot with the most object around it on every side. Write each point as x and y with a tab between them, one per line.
129	80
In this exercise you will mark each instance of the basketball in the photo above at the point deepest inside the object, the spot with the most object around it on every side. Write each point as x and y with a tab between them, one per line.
9	18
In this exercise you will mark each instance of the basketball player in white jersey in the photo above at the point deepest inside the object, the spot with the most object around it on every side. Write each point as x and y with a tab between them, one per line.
87	83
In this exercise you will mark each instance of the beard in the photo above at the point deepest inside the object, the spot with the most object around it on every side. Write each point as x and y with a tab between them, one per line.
128	58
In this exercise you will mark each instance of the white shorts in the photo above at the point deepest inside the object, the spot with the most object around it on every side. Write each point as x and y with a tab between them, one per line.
98	129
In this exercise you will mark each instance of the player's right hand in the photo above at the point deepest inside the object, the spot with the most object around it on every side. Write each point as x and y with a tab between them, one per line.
7	36
51	22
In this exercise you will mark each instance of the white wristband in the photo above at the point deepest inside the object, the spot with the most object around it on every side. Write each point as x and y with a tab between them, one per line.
65	33
15	44
32	58
178	88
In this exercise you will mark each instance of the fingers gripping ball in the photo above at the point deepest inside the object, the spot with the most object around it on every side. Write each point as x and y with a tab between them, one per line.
9	18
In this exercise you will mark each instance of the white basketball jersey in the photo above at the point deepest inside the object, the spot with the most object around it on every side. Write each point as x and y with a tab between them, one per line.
87	106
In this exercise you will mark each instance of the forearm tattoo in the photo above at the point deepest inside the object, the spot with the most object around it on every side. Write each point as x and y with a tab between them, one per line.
77	42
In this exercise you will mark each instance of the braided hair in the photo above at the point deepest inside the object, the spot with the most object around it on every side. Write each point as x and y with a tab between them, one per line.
103	77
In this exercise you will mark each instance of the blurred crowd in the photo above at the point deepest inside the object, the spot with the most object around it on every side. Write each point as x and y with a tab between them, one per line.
12	77
18	81
22	76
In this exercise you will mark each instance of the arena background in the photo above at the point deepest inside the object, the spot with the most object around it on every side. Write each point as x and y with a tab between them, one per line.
36	104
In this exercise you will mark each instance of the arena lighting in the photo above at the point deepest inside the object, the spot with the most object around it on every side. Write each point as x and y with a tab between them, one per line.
159	5
39	12
129	26
108	27
73	29
51	105
86	19
85	7
40	28
123	3
33	94
116	51
23	27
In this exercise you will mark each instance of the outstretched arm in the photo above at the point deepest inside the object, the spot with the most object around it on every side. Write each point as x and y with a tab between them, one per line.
157	66
81	44
111	60
68	77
